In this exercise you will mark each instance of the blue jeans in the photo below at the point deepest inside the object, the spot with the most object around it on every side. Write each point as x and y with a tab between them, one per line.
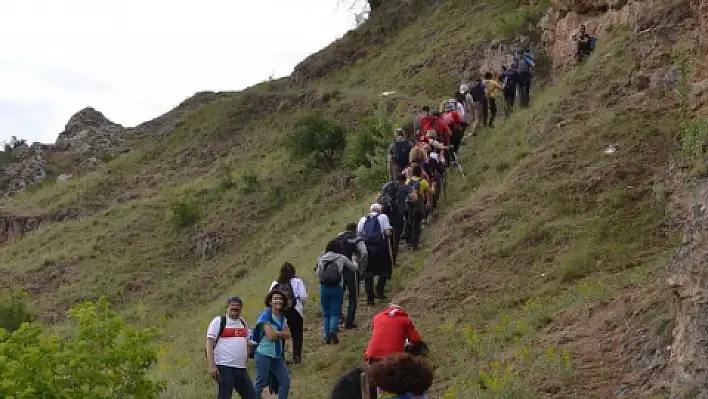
265	365
331	302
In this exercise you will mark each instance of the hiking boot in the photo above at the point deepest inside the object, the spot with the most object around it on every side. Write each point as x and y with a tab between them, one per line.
297	360
334	338
350	326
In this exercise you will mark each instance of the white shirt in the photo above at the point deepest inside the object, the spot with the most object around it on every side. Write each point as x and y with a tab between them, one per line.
299	291
383	223
232	347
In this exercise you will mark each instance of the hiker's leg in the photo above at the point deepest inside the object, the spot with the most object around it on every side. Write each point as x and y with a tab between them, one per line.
350	285
280	370
397	225
295	322
225	383
262	371
415	229
492	110
243	384
336	306
369	287
381	285
325	303
485	112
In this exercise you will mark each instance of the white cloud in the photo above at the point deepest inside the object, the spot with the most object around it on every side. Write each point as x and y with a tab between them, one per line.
135	59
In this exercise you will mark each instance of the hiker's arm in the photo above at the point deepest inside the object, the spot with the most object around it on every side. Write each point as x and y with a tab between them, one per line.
272	333
301	293
210	342
349	264
390	165
286	331
412	334
362	256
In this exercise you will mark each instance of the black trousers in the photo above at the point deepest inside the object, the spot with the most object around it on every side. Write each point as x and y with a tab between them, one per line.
492	110
524	88
295	322
234	379
375	291
397	223
350	285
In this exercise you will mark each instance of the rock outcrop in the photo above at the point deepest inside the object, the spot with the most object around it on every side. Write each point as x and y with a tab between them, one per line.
16	226
26	166
90	133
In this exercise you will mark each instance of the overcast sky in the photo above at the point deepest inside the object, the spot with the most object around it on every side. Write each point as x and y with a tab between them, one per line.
135	59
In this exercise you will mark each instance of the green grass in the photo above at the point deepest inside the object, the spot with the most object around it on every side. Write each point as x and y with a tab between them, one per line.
542	222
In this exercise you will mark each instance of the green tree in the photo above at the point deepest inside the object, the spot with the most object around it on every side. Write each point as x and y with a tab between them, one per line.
102	358
317	139
375	135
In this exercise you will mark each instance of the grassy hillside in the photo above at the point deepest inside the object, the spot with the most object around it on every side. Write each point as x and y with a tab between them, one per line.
539	275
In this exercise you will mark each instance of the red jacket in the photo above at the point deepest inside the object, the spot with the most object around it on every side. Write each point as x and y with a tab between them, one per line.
452	119
391	327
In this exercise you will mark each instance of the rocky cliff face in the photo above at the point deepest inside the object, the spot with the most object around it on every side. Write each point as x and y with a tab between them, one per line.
688	279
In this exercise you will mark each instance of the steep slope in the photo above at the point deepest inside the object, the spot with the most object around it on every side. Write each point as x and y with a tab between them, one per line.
542	278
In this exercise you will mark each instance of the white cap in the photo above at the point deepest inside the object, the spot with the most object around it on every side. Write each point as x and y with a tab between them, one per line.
375	208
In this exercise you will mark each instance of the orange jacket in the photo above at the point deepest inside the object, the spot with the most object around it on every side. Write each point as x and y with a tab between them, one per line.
391	327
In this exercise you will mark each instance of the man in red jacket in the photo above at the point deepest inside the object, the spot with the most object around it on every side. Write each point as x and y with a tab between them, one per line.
390	329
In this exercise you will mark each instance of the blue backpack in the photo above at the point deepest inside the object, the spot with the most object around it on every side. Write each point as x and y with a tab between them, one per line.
259	332
371	234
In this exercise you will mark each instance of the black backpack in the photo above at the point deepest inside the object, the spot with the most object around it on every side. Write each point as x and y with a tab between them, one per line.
401	151
287	289
331	276
388	198
349	242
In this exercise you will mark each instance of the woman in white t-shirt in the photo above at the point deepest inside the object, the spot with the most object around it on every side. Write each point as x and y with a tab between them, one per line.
294	289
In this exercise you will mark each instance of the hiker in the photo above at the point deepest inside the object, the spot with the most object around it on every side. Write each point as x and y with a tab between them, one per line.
453	120
355	250
294	289
394	196
510	82
417	124
419	156
479	105
469	116
227	352
355	384
398	153
401	376
419	207
375	230
436	172
492	87
391	327
584	43
329	270
525	62
269	334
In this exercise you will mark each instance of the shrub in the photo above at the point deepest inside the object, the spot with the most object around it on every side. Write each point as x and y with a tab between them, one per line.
184	213
376	133
103	358
249	182
317	139
14	310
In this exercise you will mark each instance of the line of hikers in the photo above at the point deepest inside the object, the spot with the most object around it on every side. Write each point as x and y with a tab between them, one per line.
418	162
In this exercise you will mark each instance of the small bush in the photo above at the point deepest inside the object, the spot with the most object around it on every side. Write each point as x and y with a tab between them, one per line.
373	176
224	176
14	310
317	139
249	182
103	358
184	213
375	134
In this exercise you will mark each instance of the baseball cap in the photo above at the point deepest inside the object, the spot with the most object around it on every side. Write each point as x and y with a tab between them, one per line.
233	299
